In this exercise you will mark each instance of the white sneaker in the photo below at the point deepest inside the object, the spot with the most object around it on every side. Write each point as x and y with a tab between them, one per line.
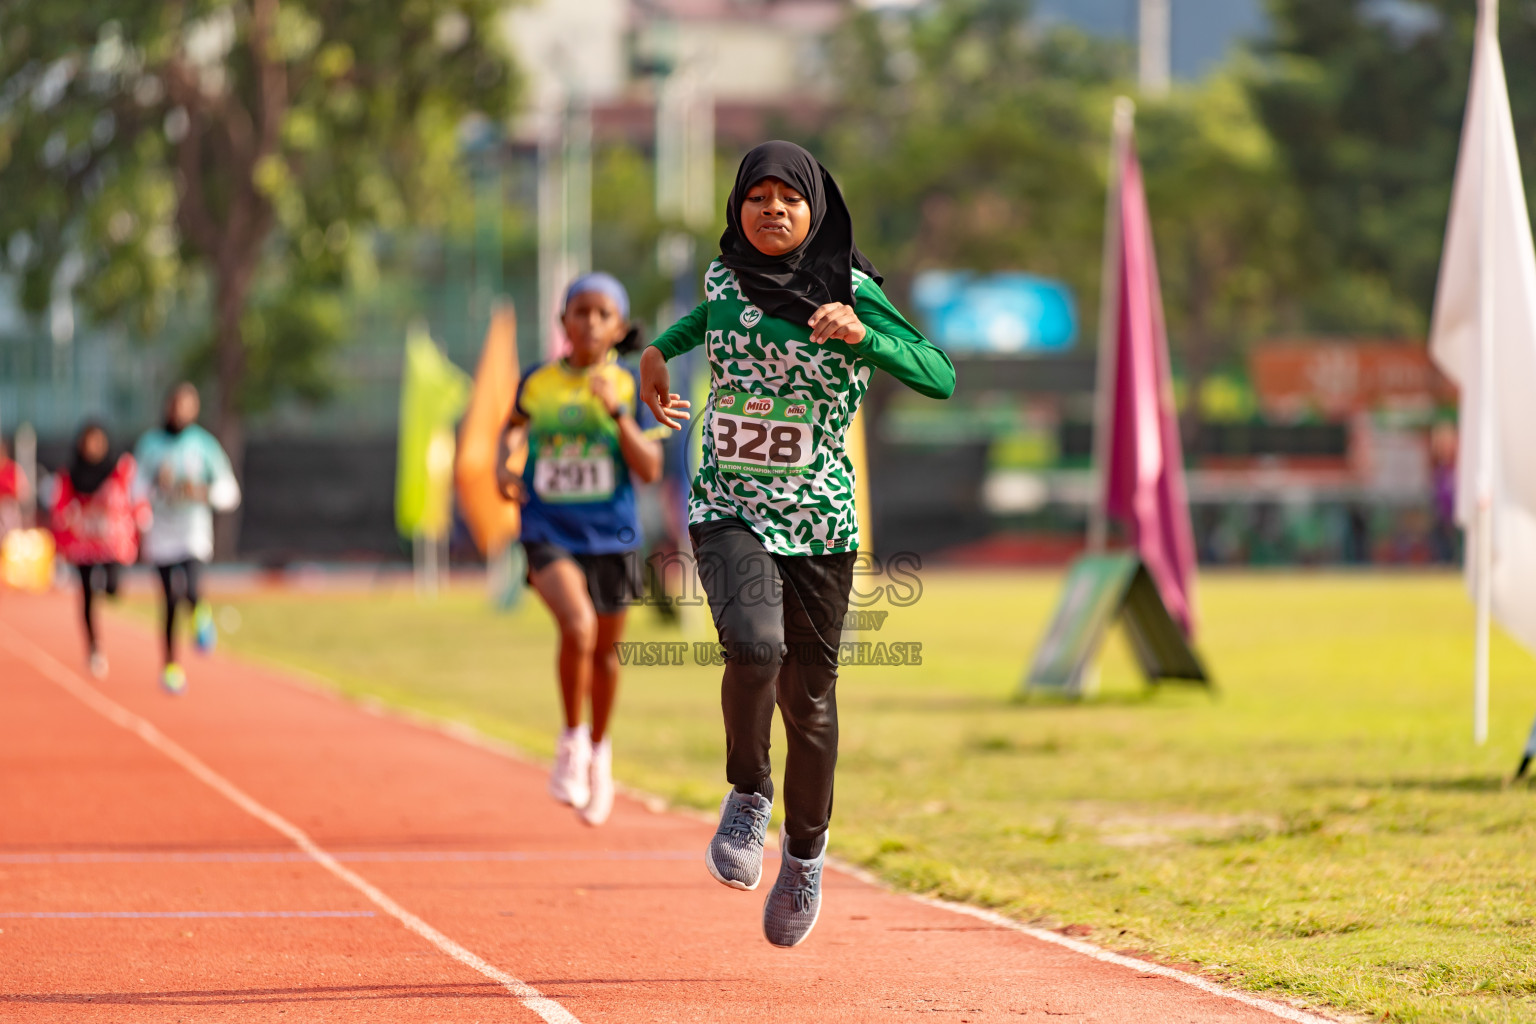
601	805
573	760
98	665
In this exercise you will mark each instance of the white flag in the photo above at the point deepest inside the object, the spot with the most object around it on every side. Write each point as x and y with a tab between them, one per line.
1485	309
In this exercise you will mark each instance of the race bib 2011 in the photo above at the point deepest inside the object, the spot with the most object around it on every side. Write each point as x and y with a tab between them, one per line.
762	435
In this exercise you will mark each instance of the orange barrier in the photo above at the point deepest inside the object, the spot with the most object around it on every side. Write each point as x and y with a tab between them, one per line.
493	520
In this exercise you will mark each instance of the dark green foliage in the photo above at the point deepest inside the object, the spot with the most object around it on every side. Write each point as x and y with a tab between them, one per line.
974	139
1365	100
235	153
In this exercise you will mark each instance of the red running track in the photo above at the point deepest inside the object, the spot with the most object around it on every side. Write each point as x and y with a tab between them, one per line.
258	851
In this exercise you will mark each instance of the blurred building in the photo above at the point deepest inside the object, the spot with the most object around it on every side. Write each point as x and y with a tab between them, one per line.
628	49
622	43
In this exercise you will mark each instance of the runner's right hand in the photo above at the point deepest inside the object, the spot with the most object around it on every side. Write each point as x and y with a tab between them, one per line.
656	390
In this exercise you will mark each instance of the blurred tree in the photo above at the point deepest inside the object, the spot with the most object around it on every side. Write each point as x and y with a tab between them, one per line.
236	151
970	138
973	138
627	228
1231	236
1365	100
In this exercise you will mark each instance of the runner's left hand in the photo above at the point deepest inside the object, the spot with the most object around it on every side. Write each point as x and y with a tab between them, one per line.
602	390
836	320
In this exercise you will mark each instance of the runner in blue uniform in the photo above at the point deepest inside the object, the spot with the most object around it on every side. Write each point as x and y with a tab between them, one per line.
580	526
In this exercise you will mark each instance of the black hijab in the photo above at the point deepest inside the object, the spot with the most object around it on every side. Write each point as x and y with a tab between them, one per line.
795	285
87	477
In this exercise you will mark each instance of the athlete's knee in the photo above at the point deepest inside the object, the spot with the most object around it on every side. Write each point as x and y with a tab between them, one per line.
810	729
809	698
579	632
763	653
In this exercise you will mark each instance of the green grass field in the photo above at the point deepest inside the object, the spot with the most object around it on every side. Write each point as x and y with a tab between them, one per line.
1323	828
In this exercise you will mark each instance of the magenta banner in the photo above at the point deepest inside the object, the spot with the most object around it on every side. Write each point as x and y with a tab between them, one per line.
1145	489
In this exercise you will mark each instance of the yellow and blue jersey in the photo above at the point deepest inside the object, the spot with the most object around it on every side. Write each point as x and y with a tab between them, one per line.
579	492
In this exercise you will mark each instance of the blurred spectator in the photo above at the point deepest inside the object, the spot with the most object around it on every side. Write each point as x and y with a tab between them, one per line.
1357	535
1442	455
15	490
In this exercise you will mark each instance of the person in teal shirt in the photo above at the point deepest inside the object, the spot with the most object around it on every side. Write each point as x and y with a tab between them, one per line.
186	477
794	323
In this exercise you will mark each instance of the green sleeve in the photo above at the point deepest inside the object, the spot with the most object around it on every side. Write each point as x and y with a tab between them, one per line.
895	346
686	334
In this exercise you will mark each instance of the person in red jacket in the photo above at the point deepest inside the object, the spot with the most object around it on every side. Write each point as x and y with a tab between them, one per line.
96	524
14	489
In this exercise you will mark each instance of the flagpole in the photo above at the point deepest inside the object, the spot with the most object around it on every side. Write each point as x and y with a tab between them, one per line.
1109	328
1488	21
1154	45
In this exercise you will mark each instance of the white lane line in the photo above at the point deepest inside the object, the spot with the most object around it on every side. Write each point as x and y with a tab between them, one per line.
462	732
1280	1010
134	915
549	1010
1088	949
345	856
470	736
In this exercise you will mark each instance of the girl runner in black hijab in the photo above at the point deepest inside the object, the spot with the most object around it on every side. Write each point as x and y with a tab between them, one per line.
96	524
794	286
794	325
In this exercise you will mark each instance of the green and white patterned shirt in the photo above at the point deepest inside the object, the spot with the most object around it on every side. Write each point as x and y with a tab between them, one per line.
802	501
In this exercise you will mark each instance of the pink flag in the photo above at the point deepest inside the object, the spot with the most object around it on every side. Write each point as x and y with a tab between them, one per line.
1144	489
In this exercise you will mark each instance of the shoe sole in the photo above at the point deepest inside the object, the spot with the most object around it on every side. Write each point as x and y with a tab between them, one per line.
791	945
709	862
569	801
783	845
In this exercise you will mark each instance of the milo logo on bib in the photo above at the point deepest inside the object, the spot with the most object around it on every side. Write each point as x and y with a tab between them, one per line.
768	437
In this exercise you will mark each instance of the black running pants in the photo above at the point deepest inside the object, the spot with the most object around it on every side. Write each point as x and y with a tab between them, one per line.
178	585
95	576
780	621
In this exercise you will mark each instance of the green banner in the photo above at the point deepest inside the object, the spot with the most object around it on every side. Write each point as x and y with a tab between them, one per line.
433	393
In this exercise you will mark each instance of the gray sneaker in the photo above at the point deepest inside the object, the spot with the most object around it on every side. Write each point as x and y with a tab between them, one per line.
735	855
794	902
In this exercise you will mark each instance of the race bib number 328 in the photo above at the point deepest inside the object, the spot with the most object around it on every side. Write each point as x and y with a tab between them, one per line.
762	435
